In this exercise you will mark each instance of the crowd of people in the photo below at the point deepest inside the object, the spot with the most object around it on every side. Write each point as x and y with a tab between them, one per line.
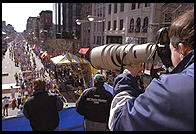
21	53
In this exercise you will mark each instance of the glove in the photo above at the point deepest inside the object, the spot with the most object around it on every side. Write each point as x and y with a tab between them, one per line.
124	82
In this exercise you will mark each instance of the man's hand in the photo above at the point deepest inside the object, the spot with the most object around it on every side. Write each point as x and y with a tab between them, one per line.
134	70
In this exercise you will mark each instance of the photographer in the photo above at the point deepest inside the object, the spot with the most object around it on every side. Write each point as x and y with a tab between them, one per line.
168	101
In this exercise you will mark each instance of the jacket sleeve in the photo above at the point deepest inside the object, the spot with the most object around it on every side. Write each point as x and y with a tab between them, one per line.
163	106
129	113
59	103
24	110
80	104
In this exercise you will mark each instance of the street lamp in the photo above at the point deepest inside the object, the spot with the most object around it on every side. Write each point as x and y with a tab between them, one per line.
90	18
79	22
94	19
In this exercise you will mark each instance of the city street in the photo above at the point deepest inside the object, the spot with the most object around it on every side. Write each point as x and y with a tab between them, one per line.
8	66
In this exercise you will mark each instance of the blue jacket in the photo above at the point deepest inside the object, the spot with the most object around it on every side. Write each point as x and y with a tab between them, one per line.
166	104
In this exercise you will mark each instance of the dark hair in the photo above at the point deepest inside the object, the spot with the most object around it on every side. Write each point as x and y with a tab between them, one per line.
39	84
182	29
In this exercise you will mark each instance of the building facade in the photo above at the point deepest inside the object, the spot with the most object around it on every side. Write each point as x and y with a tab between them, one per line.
98	26
86	9
46	20
139	22
65	15
31	21
45	27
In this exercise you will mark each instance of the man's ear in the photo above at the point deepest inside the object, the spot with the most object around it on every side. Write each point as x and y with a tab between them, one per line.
181	48
184	49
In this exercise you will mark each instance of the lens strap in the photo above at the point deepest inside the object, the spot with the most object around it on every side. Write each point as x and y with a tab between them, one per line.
122	65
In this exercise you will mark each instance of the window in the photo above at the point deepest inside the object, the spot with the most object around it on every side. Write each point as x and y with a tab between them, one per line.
114	25
131	25
143	40
138	5
97	40
94	39
103	11
113	39
109	25
109	9
168	17
121	24
133	6
115	8
94	26
95	12
122	7
138	22
146	4
103	26
145	25
98	12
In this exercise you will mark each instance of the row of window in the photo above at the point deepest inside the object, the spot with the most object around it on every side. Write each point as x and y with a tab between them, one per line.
133	6
132	26
97	40
99	12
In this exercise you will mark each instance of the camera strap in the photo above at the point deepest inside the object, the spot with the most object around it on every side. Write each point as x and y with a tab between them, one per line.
153	73
122	65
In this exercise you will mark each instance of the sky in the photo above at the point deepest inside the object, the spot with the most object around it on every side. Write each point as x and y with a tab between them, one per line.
17	14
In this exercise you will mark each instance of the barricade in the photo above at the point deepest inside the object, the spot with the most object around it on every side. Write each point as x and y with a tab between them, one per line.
70	120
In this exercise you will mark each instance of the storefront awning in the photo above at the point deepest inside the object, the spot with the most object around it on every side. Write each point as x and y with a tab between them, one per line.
83	50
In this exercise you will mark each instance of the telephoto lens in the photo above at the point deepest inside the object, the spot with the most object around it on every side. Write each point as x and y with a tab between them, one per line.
111	57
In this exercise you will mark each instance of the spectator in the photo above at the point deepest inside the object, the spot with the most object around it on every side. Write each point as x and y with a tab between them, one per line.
168	101
13	103
16	78
94	105
42	109
22	88
5	105
19	101
13	91
20	113
24	98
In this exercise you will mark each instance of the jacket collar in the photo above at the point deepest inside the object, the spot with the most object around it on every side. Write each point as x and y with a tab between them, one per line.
38	92
188	59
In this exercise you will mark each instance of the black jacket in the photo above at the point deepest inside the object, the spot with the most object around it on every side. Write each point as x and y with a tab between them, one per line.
42	110
94	104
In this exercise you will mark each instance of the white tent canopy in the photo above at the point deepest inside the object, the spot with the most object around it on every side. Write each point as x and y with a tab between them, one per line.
64	59
60	59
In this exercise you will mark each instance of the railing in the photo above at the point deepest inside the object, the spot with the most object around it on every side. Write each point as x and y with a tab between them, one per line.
70	120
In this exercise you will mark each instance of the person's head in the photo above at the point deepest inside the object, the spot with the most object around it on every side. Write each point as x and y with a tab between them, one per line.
181	36
99	79
39	84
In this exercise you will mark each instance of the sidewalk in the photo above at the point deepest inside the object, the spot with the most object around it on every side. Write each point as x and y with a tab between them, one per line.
6	88
6	92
